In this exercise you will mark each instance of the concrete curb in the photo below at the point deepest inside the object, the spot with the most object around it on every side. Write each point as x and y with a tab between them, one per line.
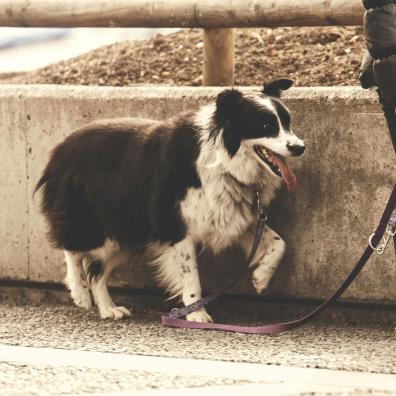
344	181
246	309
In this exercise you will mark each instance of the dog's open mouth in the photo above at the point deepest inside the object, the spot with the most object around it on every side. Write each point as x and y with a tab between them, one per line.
278	165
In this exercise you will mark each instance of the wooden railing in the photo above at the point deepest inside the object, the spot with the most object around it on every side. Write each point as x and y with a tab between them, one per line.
216	17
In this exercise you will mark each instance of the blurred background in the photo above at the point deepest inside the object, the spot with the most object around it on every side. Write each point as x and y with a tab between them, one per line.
28	49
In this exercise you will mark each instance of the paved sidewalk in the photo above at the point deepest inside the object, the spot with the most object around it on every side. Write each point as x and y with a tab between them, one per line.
332	346
109	373
62	350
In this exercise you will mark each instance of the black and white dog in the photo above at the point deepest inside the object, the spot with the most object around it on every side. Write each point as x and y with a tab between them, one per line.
166	186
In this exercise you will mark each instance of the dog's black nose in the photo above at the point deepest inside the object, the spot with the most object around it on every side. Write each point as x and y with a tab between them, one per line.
295	149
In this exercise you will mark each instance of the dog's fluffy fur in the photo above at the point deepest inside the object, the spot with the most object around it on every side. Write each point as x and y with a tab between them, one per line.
119	185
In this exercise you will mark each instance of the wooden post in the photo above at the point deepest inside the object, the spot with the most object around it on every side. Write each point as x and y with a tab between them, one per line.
218	57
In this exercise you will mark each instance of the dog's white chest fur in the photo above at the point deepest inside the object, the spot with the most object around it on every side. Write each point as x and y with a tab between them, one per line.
218	213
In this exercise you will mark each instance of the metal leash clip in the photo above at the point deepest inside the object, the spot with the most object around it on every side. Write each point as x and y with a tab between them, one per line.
258	200
389	234
260	208
261	212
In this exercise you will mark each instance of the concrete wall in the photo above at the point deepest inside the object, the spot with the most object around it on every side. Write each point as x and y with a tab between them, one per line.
343	182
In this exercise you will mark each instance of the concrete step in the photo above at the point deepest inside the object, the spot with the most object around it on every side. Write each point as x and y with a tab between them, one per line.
344	180
53	349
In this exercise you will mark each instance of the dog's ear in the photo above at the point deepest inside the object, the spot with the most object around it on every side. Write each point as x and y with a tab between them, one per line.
227	101
276	87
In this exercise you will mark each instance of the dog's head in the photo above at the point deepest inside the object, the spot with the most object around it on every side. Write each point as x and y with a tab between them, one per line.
258	128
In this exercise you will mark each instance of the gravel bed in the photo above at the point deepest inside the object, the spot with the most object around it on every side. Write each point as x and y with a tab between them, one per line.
311	56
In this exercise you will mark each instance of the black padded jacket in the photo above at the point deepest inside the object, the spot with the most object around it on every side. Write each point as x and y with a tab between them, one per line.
378	66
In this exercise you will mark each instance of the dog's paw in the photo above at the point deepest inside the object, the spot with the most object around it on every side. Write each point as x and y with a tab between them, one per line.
114	313
82	298
261	278
199	316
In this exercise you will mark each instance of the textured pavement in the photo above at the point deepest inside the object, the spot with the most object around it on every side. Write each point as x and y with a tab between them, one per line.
357	349
47	371
21	379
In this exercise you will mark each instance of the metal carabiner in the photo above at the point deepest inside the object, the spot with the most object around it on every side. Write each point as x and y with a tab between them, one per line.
389	234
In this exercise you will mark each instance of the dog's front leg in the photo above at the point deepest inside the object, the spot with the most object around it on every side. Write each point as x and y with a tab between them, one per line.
267	257
190	279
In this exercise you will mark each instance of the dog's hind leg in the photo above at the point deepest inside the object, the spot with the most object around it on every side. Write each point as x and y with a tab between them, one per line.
267	258
76	280
98	273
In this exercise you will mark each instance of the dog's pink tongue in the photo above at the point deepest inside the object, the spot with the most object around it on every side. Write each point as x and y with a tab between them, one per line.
288	176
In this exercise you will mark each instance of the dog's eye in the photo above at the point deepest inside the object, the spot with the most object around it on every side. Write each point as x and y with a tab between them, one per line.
265	126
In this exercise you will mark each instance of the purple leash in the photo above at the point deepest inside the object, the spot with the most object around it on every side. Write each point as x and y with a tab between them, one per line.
387	226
